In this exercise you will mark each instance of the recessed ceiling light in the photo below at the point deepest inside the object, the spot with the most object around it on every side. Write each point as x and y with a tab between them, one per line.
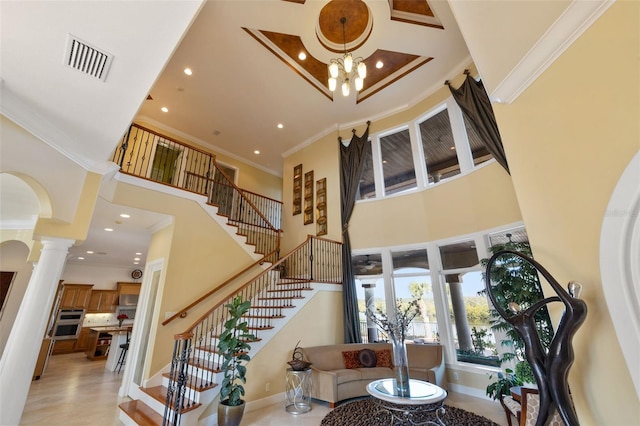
124	215
452	148
164	109
136	263
256	152
379	64
80	258
138	254
89	251
108	229
280	125
302	56
188	71
136	258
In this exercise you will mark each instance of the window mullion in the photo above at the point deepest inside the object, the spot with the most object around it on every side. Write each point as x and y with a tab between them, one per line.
419	163
376	157
460	138
440	300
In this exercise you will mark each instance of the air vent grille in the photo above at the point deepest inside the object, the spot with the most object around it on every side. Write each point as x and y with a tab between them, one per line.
87	59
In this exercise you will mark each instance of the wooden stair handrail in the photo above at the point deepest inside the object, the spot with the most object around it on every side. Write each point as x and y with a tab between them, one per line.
183	312
225	299
240	191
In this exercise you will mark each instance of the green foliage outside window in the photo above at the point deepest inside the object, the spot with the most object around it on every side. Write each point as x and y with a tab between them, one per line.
514	280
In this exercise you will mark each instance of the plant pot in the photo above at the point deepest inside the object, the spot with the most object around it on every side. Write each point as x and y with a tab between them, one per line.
230	415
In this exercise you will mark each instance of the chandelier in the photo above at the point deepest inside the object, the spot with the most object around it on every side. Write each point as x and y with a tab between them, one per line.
346	68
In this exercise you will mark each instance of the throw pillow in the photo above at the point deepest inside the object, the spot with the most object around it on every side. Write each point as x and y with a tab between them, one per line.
367	358
350	359
384	358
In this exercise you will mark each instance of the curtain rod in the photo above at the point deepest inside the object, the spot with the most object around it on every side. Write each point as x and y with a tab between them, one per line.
354	131
448	83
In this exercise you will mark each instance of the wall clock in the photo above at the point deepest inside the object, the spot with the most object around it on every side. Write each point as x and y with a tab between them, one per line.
136	274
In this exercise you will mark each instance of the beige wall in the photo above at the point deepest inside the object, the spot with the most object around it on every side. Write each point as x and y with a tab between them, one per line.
568	138
198	255
322	158
269	365
480	200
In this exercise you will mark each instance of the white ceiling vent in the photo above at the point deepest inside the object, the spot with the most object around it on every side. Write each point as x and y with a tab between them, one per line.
86	58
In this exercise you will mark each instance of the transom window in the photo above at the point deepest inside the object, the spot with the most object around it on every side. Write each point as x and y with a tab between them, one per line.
430	149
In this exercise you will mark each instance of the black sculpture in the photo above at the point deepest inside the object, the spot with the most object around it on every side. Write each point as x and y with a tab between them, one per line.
550	369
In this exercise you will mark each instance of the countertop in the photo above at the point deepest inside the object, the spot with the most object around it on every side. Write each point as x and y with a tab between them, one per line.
111	328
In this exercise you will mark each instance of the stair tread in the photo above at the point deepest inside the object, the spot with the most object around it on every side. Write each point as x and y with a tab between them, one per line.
194	379
159	393
264	316
281	298
272	307
141	413
284	290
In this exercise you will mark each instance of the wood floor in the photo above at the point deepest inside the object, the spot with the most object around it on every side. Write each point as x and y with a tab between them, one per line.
76	391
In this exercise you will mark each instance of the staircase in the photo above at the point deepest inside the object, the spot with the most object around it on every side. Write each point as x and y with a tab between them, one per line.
189	383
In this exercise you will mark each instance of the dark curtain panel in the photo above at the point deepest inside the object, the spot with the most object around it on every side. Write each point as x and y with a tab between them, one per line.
351	165
476	106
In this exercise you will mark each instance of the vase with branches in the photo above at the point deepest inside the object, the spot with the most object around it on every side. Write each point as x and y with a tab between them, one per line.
395	327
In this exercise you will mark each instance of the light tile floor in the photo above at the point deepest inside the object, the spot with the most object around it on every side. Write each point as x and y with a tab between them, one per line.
76	391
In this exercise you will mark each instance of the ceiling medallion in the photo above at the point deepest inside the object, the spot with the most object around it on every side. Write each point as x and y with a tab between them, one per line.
331	33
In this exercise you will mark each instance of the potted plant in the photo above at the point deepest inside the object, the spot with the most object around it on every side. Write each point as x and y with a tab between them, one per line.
515	281
505	381
234	348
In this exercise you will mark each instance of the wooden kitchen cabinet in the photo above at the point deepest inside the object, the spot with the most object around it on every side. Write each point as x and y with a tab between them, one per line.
128	288
102	301
75	296
99	345
63	347
82	343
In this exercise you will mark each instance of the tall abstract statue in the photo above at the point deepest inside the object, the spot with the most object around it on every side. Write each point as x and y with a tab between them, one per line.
550	369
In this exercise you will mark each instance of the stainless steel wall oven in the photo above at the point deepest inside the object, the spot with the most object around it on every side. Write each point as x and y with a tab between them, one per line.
68	324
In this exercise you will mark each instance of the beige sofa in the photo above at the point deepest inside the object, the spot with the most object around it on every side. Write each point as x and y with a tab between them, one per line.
333	382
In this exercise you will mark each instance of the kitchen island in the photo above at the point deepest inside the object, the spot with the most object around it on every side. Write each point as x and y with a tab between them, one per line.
105	341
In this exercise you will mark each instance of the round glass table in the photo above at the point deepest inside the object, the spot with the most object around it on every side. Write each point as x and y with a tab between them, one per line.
424	397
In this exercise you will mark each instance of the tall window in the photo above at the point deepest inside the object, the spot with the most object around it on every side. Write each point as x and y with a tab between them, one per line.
447	279
439	147
397	162
412	281
469	311
370	290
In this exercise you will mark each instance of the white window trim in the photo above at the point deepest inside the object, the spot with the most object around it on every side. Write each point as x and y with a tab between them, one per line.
460	138
438	286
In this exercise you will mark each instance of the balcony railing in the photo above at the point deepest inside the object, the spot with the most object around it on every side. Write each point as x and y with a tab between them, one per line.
150	155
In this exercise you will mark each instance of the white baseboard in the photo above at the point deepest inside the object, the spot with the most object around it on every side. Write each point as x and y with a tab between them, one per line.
265	402
469	391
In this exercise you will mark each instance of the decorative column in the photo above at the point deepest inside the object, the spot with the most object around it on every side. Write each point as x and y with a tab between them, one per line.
21	352
459	312
369	301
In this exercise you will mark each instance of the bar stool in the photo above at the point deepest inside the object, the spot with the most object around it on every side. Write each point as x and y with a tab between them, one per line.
123	353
